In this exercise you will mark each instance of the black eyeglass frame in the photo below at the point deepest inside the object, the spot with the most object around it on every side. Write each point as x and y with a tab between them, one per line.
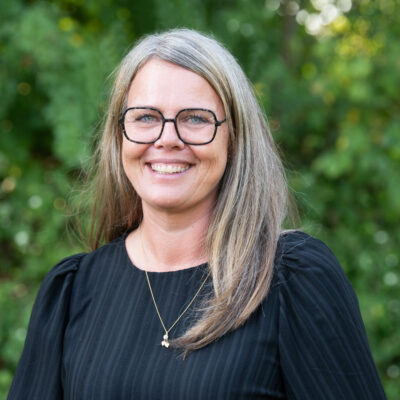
164	120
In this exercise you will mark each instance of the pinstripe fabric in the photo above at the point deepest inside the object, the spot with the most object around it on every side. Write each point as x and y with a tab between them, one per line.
94	334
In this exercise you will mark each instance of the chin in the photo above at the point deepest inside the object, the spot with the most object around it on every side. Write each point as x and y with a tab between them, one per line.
167	204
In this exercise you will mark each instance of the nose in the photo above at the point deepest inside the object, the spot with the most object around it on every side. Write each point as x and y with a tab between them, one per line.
169	137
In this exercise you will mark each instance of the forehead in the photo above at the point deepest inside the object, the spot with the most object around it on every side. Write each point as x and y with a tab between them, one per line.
162	84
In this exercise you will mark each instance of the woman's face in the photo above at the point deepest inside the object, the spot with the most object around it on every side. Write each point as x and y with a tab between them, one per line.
170	175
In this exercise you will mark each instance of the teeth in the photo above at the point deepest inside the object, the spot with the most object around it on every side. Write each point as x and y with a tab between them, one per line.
168	168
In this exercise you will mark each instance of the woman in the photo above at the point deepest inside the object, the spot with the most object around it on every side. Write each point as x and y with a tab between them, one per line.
198	294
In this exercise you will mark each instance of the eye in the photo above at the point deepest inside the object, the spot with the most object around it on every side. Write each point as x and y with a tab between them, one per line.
146	118
196	118
142	117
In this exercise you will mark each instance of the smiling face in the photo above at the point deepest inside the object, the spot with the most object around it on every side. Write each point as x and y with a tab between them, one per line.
170	175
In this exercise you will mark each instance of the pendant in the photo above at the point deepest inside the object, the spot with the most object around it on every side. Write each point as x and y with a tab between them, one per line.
165	342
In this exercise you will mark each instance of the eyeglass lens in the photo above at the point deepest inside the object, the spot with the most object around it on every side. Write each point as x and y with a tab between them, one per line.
194	126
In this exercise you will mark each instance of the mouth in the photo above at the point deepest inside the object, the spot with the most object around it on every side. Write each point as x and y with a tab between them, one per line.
169	169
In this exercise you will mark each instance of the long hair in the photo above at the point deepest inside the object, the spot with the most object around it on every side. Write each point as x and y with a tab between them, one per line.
252	201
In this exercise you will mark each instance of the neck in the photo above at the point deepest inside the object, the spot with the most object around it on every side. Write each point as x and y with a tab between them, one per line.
169	242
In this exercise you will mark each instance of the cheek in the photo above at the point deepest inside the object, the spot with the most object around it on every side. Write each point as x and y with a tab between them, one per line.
222	152
131	153
214	164
126	160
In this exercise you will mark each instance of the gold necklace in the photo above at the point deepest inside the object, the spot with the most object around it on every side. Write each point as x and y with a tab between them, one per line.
165	342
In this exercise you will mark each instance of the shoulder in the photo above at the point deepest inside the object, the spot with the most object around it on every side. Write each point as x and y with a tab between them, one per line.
306	270
79	267
298	245
98	262
62	273
300	254
311	280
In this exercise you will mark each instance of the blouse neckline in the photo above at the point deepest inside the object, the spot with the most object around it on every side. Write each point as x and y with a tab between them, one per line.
136	269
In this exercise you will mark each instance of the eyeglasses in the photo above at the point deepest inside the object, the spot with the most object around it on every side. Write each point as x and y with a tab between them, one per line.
194	126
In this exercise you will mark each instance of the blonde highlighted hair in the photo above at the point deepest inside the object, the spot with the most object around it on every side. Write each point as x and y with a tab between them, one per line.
253	197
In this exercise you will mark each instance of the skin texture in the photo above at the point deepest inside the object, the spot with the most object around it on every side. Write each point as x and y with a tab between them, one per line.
176	207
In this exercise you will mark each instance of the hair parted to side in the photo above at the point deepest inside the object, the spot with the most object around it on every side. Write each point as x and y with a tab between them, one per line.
253	195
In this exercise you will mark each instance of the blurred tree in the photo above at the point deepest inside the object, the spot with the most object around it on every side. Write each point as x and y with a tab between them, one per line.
325	71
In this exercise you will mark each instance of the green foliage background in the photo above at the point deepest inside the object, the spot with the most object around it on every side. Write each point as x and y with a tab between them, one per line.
332	98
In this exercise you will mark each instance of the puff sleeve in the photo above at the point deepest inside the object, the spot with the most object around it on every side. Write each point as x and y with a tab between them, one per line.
38	375
323	346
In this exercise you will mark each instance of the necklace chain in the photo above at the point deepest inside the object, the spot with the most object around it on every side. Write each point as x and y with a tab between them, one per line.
165	341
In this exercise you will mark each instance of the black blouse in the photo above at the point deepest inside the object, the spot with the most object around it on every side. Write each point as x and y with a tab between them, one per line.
94	334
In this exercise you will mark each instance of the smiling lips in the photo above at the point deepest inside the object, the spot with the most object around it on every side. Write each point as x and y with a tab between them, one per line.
169	168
